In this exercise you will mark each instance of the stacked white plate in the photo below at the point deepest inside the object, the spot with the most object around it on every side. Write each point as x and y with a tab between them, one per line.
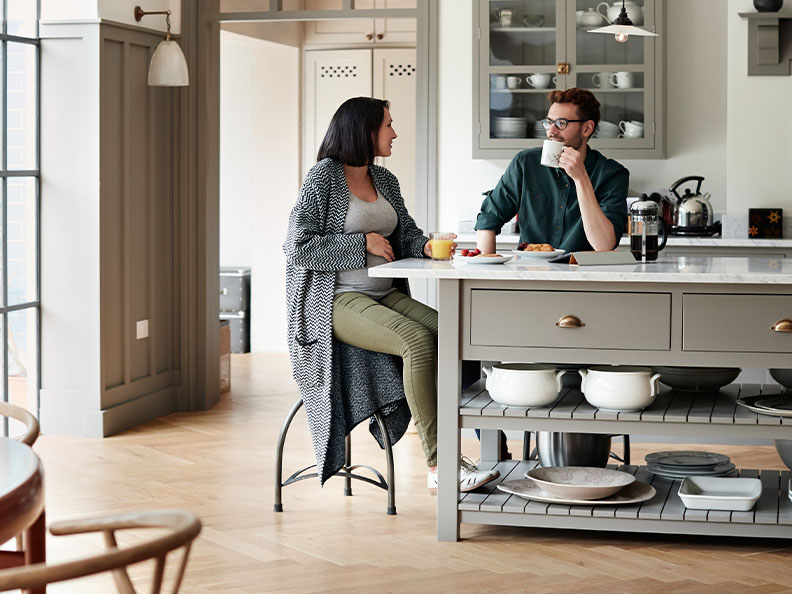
678	465
509	127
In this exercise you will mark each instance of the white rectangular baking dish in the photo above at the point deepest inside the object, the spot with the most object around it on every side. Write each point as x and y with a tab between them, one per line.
730	494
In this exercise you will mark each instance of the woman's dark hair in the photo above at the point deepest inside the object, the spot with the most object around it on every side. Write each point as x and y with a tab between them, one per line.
352	133
587	104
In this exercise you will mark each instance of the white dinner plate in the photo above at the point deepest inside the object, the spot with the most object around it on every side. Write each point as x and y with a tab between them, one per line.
633	493
749	402
537	255
500	259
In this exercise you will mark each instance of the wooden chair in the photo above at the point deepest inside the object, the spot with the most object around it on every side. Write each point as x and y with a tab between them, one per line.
182	528
28	437
12	411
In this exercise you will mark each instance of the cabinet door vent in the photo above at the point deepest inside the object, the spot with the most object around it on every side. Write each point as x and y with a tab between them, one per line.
338	71
400	69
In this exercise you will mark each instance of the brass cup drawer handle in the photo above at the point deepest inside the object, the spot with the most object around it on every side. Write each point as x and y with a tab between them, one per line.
569	321
784	325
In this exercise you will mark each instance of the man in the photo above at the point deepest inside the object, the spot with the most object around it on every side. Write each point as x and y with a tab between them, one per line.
578	207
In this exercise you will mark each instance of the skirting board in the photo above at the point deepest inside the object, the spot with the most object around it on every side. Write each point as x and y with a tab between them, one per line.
58	413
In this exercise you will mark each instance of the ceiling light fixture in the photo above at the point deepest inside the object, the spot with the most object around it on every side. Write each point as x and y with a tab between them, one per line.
168	68
623	27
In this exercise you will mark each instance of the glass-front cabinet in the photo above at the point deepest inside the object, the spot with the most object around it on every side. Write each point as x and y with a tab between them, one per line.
524	49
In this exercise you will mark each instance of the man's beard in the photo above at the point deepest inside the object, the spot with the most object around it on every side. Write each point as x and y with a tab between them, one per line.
576	142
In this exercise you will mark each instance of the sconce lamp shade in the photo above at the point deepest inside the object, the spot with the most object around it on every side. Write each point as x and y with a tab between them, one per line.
168	67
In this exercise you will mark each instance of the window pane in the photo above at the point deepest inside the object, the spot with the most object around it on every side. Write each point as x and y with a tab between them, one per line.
21	240
23	359
21	106
22	18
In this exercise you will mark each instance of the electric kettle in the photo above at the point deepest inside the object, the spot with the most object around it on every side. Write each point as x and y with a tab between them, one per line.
692	213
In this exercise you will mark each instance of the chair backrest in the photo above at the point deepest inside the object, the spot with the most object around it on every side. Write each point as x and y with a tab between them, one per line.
182	527
18	413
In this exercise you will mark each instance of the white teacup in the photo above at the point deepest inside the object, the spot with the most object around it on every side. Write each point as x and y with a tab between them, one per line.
622	80
513	82
602	80
498	81
551	153
632	128
607	129
540	80
504	15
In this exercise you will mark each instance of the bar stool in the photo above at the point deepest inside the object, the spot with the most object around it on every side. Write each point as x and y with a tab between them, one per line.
347	471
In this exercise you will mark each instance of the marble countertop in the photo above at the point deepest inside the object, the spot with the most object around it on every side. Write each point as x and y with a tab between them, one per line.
505	241
671	269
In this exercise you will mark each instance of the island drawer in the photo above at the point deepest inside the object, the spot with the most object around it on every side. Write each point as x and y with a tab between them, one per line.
608	319
735	323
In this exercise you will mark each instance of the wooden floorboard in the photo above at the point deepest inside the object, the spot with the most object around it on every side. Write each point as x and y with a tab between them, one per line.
219	464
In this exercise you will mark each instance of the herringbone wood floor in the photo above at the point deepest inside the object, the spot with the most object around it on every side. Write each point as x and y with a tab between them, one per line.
220	465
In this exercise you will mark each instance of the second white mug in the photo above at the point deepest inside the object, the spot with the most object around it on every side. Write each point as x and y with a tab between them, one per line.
622	80
504	15
602	80
540	80
513	82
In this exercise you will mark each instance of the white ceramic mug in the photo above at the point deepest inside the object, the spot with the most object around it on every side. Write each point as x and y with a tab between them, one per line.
632	128
498	81
607	129
504	15
540	80
551	153
513	82
602	80
621	80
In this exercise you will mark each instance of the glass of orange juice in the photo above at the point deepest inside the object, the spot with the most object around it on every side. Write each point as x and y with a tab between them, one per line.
441	244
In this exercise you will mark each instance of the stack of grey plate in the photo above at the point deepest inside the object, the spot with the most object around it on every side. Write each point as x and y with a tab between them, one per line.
509	127
678	465
538	130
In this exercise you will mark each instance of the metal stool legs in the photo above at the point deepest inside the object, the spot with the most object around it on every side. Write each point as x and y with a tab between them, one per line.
347	471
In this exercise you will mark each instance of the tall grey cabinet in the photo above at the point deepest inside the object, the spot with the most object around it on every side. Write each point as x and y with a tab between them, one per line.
523	49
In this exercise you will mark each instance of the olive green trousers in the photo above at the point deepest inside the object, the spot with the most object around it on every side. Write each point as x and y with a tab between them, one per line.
398	325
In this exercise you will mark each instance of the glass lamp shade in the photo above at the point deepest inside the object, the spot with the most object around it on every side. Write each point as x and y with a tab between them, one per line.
168	67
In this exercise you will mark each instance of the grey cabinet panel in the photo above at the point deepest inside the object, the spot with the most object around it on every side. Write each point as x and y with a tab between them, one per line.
736	323
528	319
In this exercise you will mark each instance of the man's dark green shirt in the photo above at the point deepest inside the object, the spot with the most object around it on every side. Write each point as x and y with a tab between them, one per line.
545	200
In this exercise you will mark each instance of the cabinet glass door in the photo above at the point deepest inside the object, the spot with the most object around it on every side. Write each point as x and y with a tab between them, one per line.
521	44
619	74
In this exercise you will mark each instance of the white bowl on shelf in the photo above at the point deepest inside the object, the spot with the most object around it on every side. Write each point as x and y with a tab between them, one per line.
728	494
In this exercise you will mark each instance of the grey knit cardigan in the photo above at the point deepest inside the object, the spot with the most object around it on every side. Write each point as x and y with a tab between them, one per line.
341	385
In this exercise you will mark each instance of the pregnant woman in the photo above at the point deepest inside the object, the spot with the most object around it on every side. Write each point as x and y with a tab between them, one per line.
349	334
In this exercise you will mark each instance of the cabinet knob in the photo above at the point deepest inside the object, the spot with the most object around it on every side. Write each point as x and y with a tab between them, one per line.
784	325
562	68
569	321
380	36
369	36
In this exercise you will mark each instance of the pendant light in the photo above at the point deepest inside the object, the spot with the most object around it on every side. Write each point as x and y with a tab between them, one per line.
623	27
168	68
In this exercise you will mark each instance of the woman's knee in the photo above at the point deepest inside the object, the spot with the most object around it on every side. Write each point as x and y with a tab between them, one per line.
416	340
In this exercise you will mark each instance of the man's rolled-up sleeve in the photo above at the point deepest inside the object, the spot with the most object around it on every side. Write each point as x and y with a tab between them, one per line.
612	198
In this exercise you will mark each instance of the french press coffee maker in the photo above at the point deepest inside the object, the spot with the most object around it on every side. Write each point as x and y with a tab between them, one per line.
647	231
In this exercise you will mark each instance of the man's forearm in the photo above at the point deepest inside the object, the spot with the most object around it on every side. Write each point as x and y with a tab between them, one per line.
598	229
485	241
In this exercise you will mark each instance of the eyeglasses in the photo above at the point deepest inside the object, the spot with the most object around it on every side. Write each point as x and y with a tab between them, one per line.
560	123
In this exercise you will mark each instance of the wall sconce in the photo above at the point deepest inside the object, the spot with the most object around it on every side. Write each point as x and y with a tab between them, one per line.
623	27
168	68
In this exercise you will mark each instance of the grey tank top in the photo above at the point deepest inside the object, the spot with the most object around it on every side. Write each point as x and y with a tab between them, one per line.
367	217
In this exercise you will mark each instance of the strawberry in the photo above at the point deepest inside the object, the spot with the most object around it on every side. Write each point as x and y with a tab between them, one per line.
464	252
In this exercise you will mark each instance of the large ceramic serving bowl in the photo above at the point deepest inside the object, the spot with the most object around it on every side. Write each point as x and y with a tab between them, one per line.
580	482
523	384
783	377
619	388
784	449
697	378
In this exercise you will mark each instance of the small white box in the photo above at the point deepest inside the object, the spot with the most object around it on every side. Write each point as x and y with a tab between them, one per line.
142	329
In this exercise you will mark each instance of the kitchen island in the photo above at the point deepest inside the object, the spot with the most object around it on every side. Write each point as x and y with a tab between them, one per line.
686	311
